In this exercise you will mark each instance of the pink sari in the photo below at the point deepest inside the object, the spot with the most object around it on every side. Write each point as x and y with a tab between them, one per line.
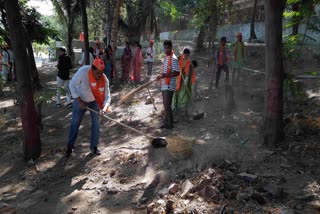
136	65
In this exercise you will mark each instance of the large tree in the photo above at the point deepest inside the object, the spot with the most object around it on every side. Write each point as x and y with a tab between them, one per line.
35	31
252	31
273	105
85	31
30	118
68	11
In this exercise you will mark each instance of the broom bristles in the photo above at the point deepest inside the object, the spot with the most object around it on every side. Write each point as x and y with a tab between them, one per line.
131	94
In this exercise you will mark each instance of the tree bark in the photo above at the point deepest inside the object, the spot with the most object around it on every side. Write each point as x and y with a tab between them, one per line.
201	36
32	64
85	31
252	32
296	20
273	105
114	32
30	118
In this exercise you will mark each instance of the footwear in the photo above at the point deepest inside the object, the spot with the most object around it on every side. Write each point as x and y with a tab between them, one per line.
69	150
95	151
58	104
69	105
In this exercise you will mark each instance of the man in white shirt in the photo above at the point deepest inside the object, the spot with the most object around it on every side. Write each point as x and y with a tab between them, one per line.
89	88
151	53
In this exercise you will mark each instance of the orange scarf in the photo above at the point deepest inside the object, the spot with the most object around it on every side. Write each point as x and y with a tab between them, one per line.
236	50
97	88
168	67
184	70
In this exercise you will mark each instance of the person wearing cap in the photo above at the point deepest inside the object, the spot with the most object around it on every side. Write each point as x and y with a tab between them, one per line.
64	66
151	53
89	88
238	59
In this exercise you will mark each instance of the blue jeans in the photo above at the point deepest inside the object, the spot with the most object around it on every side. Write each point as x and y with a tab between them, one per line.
77	115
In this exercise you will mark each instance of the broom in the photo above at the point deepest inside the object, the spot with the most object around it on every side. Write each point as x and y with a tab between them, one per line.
131	94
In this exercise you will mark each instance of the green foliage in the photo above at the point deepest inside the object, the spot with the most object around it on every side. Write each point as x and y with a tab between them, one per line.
299	12
43	97
169	9
293	89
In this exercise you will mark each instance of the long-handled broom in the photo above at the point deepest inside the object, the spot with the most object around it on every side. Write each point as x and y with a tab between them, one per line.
155	141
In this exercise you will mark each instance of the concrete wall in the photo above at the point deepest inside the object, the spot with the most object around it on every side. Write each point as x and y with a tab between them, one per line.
230	31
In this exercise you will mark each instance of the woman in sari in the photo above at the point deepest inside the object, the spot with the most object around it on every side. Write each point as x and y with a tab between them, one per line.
137	64
185	82
126	62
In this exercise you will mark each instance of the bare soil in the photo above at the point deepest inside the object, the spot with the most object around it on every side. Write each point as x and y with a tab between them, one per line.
130	176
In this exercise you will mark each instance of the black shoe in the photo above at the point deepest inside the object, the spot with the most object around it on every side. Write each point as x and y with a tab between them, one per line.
69	151
69	105
96	151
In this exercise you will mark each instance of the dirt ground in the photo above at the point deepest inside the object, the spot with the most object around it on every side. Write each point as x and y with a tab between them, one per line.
230	171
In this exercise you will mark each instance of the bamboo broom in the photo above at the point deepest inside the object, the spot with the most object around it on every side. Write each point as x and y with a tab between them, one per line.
131	94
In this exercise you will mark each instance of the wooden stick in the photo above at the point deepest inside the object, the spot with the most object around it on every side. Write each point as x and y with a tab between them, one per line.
155	108
132	93
128	127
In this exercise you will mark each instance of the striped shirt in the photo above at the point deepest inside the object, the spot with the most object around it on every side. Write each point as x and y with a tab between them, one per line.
174	68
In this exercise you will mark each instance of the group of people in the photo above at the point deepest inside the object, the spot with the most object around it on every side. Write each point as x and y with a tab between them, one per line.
89	86
221	60
7	64
133	62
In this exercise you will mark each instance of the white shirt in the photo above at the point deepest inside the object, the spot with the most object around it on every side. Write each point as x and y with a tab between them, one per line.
81	62
174	67
80	87
152	52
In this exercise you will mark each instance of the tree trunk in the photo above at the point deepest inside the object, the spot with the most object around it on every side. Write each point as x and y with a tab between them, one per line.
69	40
114	32
273	105
85	31
252	32
201	36
30	118
32	63
296	20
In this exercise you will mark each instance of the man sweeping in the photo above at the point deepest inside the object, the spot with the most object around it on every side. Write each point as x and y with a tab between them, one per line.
168	76
89	88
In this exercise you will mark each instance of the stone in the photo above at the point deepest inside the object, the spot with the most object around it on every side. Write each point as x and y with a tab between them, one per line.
105	182
112	191
274	190
186	188
210	192
112	173
248	177
149	100
163	192
173	188
242	196
229	175
250	190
